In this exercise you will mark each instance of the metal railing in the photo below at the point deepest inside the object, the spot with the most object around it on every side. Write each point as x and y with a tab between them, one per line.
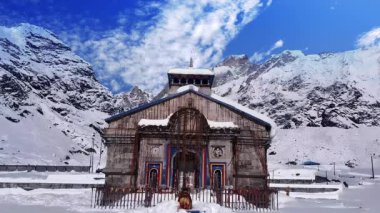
236	199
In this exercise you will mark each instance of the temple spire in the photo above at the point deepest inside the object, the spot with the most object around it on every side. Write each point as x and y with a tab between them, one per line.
191	62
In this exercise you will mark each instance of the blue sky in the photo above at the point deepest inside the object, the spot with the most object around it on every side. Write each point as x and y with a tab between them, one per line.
135	42
313	26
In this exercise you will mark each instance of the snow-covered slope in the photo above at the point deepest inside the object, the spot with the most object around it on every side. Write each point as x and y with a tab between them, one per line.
51	105
327	105
325	145
296	90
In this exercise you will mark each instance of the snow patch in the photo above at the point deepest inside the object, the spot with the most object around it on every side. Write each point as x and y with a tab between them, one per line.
222	125
190	71
294	174
52	178
187	87
165	122
325	145
154	122
18	33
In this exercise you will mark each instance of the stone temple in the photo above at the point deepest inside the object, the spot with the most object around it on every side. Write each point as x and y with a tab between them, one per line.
189	138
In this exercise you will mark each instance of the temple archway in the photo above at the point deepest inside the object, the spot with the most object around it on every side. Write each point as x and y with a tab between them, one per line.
188	126
188	121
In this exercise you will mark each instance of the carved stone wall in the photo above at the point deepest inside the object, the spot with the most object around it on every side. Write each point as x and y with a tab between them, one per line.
242	153
151	150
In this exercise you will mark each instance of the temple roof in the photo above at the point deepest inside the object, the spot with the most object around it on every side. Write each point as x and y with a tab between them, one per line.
233	106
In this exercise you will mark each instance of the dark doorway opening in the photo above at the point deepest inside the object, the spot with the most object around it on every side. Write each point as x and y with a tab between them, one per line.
217	180
186	170
153	179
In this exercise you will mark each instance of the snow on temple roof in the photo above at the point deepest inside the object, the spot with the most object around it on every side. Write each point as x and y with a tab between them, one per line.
187	87
222	125
154	122
165	122
190	71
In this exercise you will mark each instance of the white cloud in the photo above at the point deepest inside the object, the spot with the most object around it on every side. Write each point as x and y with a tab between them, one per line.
334	5
114	85
201	29
278	44
368	39
269	3
257	56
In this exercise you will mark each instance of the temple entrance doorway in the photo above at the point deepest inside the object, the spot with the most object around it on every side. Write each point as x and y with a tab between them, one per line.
186	170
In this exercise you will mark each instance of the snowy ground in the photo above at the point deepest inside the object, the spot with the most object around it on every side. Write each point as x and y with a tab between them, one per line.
293	173
52	177
74	200
360	196
327	146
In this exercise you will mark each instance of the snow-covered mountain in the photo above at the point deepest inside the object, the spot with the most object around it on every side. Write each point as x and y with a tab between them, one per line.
51	105
298	90
328	105
128	100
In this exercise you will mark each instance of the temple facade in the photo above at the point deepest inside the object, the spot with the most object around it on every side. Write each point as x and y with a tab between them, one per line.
189	138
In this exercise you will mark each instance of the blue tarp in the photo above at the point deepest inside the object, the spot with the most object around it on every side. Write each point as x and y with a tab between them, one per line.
309	163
